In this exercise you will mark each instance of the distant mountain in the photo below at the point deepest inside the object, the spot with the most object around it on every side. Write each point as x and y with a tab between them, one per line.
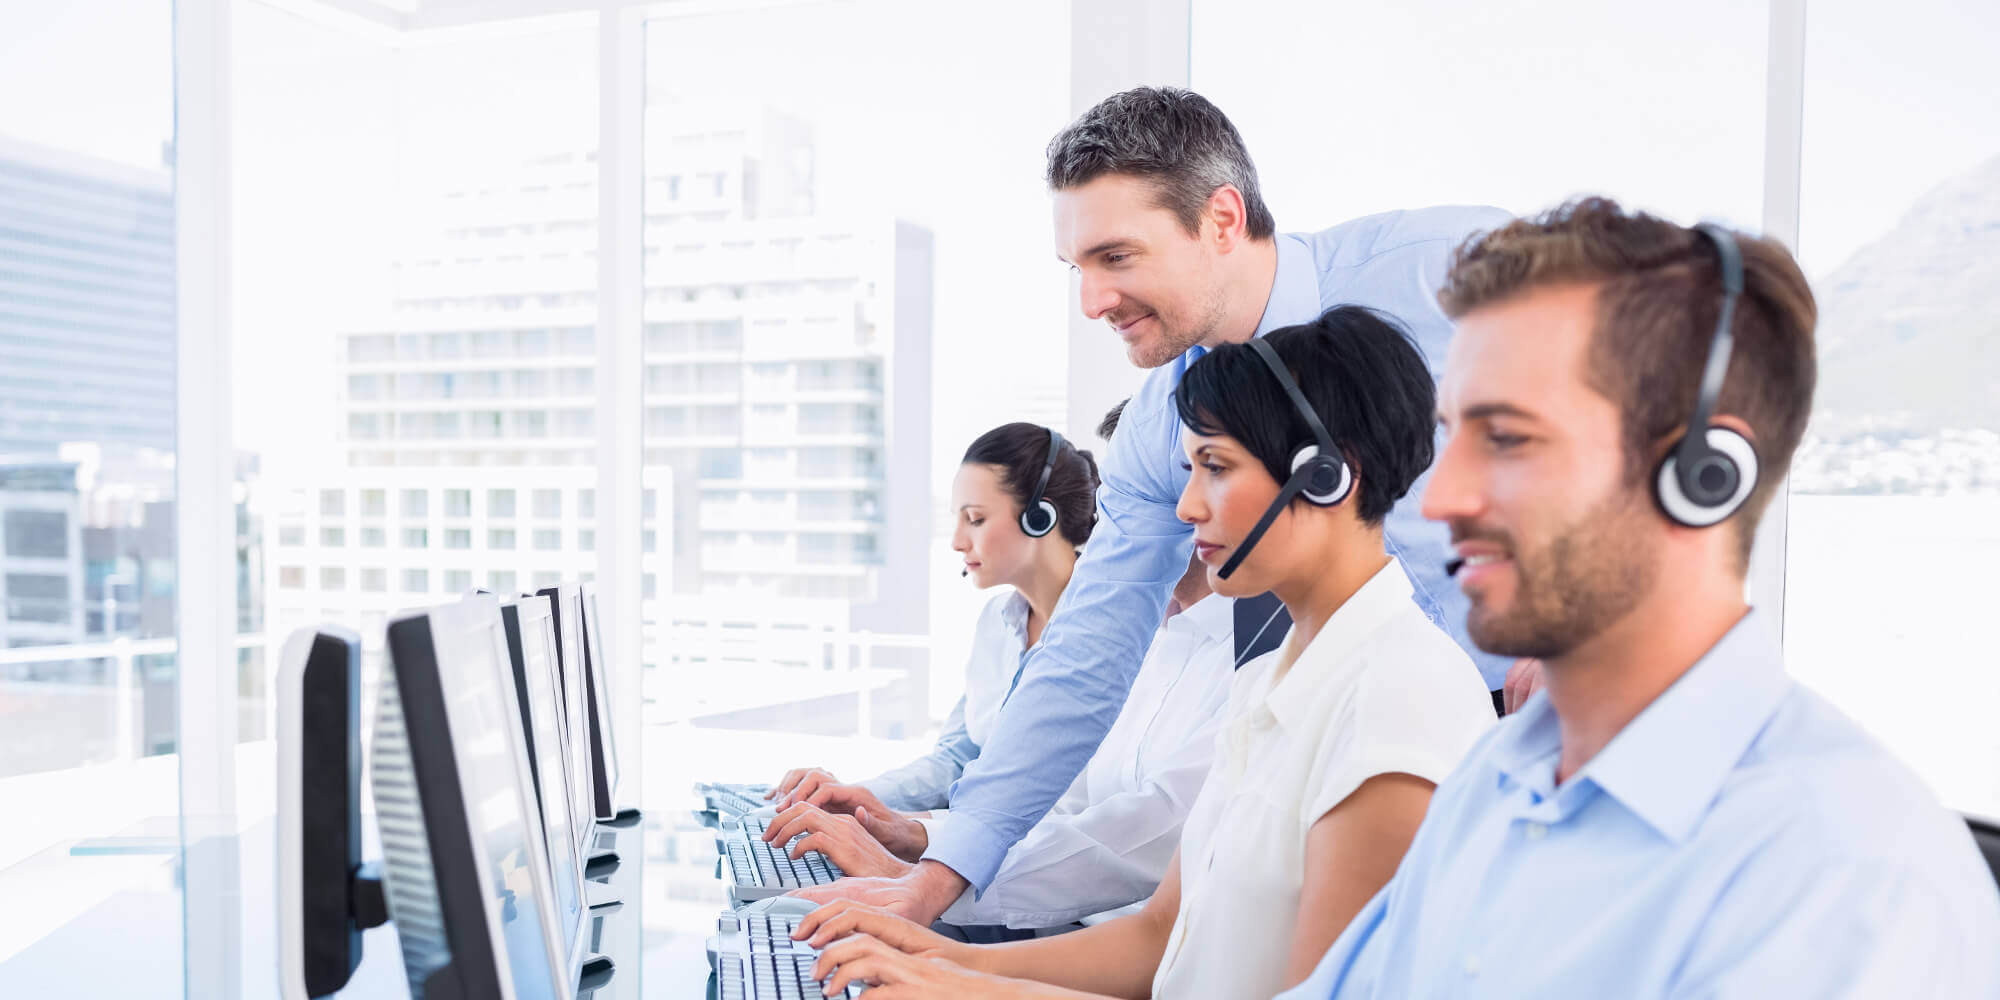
1909	332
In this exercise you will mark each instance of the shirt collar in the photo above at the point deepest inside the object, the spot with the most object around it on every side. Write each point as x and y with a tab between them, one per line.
1294	288
1326	661
1014	615
1212	617
1668	764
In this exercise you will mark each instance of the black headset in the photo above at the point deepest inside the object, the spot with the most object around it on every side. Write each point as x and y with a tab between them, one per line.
1710	471
1319	473
1038	518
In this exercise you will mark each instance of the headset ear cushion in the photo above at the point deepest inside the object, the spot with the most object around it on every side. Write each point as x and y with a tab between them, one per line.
1725	446
1328	479
1039	520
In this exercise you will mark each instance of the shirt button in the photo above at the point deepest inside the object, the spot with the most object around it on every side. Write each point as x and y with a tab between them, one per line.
1472	965
1537	831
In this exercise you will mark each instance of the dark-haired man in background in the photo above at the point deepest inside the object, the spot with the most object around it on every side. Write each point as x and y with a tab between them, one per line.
1157	208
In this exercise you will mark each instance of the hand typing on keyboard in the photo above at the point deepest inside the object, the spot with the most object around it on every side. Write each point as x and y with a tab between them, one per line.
833	796
851	842
866	944
808	777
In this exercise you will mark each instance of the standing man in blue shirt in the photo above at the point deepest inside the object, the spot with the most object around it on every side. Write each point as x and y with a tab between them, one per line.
1157	209
1671	816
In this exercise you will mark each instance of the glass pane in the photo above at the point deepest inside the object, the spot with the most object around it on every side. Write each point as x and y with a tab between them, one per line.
89	780
417	207
1354	108
1894	492
812	255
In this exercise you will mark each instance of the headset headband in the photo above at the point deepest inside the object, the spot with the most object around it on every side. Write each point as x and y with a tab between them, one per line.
1694	443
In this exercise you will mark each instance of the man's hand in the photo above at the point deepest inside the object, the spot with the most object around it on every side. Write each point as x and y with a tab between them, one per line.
846	840
920	896
1524	678
793	778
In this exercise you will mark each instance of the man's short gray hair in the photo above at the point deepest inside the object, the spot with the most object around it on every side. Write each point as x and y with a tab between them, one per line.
1175	138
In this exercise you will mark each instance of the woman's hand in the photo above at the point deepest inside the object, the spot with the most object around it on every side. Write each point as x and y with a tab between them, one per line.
893	974
842	917
814	776
848	841
865	943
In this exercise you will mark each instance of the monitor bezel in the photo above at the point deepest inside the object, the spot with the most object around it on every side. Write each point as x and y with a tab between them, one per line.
604	751
527	619
565	602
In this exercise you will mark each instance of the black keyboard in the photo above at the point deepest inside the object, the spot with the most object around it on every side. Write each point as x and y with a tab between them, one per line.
778	968
754	862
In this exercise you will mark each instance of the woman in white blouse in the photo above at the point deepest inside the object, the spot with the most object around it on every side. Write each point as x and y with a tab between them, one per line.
1331	744
1023	502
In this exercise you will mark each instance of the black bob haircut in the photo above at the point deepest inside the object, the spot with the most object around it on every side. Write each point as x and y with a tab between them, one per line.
1365	379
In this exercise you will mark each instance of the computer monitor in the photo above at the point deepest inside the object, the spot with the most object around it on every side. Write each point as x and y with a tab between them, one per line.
603	749
531	653
565	616
319	810
466	871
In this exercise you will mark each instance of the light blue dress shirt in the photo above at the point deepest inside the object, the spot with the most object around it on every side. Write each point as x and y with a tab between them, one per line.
1075	679
1739	838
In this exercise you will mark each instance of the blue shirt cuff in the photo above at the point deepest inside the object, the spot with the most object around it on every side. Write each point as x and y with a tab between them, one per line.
964	846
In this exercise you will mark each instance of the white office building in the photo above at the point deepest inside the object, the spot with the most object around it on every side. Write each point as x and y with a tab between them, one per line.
786	390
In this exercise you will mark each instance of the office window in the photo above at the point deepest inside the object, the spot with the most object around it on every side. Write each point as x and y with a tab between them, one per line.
292	577
416	581
374	503
575	423
649	586
416	503
501	581
499	503
547	578
416	538
458	538
291	535
649	504
1890	521
37	534
548	503
332	578
457	581
374	580
332	503
332	537
373	537
586	503
649	540
38	598
586	539
548	539
500	539
458	503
